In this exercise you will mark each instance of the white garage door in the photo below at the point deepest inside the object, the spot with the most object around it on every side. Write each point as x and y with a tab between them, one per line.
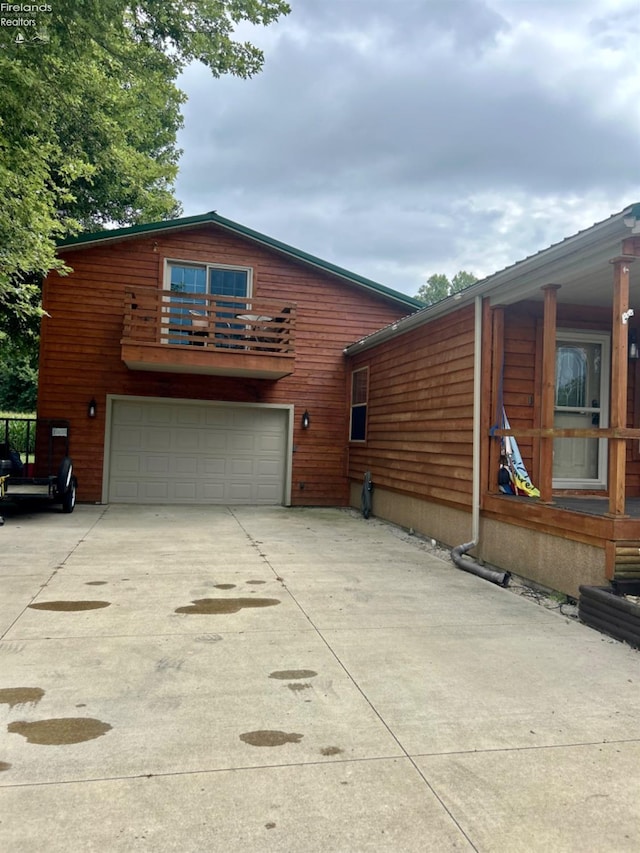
180	452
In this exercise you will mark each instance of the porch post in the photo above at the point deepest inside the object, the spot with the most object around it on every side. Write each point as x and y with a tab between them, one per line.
619	376
486	471
497	352
548	397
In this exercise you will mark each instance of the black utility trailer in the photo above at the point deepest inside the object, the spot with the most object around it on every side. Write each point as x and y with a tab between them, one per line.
35	465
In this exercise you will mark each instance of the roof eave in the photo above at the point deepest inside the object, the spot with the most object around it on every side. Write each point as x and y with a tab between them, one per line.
212	218
525	273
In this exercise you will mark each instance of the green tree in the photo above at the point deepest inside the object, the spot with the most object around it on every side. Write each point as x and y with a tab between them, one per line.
89	116
438	286
18	376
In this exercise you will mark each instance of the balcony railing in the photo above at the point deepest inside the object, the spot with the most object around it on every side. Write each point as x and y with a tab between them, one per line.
201	333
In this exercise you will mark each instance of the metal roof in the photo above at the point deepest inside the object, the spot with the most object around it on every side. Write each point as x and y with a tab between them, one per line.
213	218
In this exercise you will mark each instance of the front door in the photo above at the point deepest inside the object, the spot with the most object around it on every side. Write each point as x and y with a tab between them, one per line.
582	394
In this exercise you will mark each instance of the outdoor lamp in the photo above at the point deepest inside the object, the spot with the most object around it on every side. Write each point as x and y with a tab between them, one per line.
306	420
633	345
92	408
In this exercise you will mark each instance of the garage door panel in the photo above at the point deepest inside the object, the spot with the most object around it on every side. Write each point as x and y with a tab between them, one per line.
266	494
190	416
268	468
213	492
156	439
125	490
181	452
240	442
185	465
241	467
188	439
156	464
160	414
125	464
154	490
269	443
127	437
185	491
212	467
218	417
240	493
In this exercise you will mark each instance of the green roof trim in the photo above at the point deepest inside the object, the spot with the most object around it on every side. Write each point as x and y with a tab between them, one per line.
213	218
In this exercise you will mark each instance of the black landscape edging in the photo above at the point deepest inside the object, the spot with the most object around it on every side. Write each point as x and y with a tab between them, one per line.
600	608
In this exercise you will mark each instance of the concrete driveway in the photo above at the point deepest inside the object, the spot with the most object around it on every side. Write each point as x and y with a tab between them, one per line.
240	679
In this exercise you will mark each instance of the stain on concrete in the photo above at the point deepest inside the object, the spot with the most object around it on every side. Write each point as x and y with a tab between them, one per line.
4	765
69	606
270	825
296	686
96	583
270	737
169	663
12	648
224	585
218	606
59	731
292	674
208	638
13	696
256	582
331	750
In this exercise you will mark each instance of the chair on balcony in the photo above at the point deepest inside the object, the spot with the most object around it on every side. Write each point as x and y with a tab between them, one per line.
199	329
283	331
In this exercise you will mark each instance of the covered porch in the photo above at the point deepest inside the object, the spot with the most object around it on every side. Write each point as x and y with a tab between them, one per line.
578	433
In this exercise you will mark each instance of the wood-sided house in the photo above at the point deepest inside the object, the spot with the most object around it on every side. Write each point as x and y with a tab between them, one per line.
198	361
554	342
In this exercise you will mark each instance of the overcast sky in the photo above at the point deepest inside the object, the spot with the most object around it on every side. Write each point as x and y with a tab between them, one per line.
401	138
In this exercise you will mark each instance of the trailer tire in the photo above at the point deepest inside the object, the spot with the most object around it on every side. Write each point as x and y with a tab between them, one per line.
69	497
65	473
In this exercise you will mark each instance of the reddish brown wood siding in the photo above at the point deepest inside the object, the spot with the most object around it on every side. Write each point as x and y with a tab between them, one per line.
419	438
420	412
522	374
81	355
520	392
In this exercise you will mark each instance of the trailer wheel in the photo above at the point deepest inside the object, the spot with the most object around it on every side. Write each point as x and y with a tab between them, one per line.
69	497
65	472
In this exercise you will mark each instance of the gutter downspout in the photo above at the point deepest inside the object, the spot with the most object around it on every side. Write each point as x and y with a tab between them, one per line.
457	554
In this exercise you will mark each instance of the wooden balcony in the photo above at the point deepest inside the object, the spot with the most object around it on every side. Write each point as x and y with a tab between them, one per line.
208	334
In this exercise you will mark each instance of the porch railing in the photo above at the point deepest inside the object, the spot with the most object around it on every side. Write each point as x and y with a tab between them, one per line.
256	326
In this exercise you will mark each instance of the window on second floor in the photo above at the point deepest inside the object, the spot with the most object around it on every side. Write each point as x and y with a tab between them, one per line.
184	277
187	281
359	401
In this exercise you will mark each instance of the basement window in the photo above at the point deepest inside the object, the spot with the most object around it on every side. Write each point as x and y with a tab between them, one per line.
359	401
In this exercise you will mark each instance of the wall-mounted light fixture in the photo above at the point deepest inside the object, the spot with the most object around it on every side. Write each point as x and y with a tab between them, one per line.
306	420
633	345
92	408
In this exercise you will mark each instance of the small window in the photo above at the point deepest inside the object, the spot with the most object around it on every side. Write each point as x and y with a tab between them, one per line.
359	399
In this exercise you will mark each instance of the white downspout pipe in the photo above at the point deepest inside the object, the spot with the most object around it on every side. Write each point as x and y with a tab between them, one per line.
457	553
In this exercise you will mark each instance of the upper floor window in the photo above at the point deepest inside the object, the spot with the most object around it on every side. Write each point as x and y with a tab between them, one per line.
359	401
208	278
188	281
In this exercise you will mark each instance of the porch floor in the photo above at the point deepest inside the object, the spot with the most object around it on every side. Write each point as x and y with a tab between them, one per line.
588	505
595	506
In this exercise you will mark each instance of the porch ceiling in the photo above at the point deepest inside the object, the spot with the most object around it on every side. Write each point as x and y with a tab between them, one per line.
580	264
583	280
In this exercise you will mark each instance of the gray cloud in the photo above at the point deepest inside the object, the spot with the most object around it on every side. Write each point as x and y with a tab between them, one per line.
417	137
